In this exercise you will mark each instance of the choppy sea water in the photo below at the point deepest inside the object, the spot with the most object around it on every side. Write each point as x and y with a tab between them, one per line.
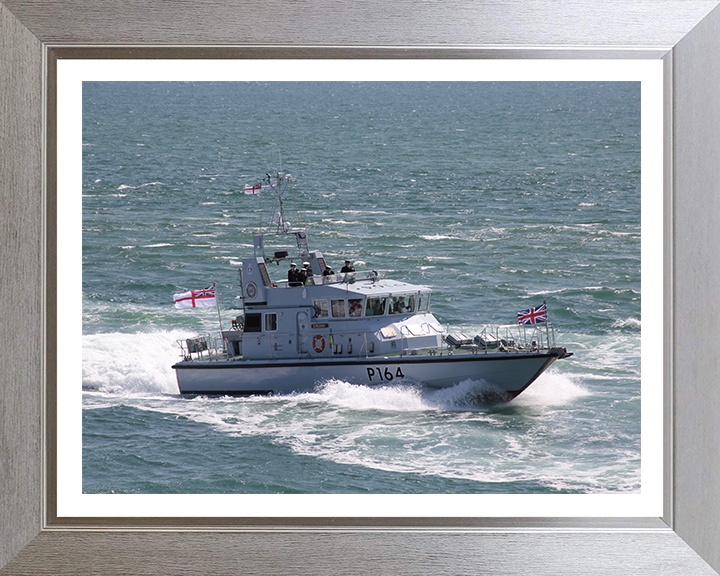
496	195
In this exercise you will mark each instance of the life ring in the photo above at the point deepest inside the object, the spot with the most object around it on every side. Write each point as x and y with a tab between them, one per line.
318	343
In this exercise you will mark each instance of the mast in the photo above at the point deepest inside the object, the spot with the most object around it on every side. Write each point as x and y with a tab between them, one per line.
217	305
276	184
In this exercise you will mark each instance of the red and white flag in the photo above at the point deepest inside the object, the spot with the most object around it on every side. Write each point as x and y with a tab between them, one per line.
253	189
196	298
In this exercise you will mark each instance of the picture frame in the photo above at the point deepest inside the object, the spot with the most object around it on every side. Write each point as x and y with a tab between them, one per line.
684	34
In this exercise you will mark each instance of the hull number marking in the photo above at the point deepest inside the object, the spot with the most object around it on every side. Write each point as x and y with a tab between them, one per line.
384	374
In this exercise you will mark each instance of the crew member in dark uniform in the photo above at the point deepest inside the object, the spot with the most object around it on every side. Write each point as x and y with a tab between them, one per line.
347	267
328	271
295	277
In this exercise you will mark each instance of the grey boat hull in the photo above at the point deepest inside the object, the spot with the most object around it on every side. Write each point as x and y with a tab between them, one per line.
505	373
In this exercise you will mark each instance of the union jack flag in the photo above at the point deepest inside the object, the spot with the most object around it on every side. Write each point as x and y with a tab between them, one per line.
196	298
533	315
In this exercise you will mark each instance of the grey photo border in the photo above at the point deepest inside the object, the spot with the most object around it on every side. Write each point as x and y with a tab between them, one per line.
40	535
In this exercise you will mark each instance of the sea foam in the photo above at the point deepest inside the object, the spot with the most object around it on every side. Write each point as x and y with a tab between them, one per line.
131	363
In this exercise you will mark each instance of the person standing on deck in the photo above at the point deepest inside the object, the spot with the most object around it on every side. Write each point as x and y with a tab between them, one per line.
295	277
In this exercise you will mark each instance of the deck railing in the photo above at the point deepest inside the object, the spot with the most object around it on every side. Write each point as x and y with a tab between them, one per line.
339	278
512	338
507	338
206	346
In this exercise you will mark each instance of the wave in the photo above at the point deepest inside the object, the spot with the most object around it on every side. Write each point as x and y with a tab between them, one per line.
552	389
435	237
581	289
627	323
131	363
127	187
468	395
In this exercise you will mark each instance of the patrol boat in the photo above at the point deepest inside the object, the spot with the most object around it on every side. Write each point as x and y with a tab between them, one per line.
361	327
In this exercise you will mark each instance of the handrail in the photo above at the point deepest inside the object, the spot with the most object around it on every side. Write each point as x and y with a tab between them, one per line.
508	338
338	278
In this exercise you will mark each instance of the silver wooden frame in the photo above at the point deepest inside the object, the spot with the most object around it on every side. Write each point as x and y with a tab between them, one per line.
684	33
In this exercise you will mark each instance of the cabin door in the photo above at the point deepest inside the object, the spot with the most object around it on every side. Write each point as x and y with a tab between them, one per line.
303	330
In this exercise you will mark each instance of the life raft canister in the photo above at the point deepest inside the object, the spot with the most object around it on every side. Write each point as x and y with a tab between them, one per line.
318	343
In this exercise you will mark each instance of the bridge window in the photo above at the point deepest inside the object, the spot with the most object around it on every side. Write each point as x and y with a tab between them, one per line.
375	306
321	308
423	301
355	306
404	304
338	308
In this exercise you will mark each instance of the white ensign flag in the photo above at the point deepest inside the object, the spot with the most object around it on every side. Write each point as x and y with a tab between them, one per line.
196	298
